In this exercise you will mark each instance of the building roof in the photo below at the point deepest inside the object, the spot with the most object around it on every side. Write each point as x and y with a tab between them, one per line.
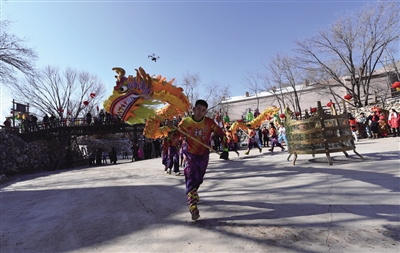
302	87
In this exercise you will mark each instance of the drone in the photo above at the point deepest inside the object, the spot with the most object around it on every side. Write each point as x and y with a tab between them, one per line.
154	57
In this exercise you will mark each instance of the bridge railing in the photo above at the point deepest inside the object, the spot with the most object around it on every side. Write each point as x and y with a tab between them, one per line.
29	126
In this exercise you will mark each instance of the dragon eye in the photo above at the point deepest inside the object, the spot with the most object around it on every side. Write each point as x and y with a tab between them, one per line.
123	89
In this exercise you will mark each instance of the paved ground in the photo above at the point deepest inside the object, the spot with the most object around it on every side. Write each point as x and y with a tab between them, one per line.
255	203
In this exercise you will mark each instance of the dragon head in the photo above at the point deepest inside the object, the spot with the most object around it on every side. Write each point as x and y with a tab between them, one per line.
130	100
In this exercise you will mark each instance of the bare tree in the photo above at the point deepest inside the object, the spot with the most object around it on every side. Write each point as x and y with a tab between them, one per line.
62	94
14	56
324	83
358	40
285	79
212	93
190	85
253	81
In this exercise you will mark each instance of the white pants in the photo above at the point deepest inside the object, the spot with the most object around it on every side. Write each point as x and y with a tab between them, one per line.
355	135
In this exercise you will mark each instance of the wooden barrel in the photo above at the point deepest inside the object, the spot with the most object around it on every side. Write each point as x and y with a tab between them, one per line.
321	133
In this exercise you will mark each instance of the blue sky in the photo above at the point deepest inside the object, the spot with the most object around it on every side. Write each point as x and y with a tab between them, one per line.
222	41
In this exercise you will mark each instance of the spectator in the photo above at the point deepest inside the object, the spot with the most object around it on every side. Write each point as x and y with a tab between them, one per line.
217	142
135	149
34	123
46	121
113	156
7	123
258	136
393	121
92	158
353	126
104	157
282	134
249	116
226	120
102	116
265	134
157	147
109	118
88	118
69	159
99	156
140	153
374	118
364	122
383	125
218	120
52	121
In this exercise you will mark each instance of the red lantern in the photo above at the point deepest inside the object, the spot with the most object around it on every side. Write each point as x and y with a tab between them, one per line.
313	110
396	85
329	104
92	95
282	116
69	113
85	103
11	112
297	113
348	96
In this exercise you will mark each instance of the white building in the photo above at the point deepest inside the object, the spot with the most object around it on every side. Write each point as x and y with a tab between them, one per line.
310	93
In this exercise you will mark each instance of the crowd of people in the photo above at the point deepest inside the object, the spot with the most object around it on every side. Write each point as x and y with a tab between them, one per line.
99	157
30	122
377	124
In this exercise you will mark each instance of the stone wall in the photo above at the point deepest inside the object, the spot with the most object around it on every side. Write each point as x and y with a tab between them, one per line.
17	156
388	105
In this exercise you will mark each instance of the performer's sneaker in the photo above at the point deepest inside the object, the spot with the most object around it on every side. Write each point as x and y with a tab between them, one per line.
260	150
283	149
246	153
194	212
169	171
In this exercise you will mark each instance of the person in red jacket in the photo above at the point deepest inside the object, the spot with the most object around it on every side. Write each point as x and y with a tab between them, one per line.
393	121
353	126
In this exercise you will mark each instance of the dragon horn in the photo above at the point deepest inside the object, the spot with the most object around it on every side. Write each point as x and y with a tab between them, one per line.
120	71
147	77
138	77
